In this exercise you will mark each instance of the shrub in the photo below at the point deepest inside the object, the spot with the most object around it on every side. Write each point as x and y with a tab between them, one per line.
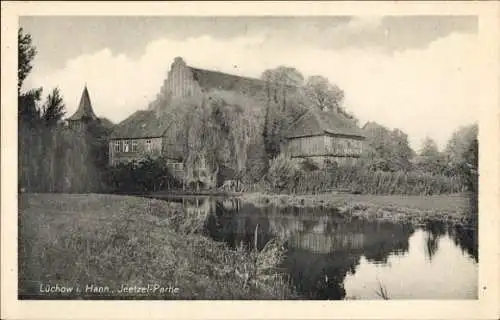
281	172
309	165
149	174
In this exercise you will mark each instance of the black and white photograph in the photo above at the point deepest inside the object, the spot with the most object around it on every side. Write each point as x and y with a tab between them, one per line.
249	157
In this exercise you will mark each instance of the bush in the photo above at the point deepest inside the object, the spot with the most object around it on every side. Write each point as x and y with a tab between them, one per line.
281	172
147	175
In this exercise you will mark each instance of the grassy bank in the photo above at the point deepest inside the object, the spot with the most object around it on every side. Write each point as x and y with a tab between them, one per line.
454	208
110	241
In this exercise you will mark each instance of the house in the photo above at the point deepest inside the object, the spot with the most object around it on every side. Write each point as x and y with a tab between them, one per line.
141	135
84	115
146	131
316	135
320	136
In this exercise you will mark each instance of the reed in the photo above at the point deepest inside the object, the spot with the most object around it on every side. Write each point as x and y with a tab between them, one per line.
358	180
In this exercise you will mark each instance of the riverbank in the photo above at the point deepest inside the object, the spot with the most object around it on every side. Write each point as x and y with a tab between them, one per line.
111	241
453	208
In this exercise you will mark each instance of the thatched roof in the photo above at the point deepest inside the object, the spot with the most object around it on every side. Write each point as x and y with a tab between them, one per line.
141	124
84	110
315	122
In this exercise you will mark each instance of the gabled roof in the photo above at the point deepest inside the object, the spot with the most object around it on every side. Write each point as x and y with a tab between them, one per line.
210	79
84	108
316	122
141	124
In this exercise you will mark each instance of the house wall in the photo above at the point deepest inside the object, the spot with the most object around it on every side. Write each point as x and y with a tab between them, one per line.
119	153
157	148
324	146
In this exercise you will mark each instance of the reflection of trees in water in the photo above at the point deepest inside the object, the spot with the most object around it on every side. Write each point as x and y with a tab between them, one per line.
466	238
463	236
434	231
321	276
322	247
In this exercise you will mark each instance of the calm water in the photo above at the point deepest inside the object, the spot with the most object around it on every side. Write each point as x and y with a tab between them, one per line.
330	257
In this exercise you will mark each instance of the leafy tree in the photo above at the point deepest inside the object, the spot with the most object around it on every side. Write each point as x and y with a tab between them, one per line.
429	148
283	75
386	150
431	159
459	143
323	94
283	83
54	109
26	53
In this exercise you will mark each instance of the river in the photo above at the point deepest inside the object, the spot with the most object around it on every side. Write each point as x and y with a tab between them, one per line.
334	257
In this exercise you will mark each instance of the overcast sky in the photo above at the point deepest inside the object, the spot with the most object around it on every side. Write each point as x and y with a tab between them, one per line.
416	73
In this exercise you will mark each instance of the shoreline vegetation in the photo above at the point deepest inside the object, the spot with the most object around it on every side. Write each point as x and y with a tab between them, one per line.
111	240
417	210
116	240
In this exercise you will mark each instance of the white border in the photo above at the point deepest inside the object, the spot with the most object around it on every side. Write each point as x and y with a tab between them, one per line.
488	107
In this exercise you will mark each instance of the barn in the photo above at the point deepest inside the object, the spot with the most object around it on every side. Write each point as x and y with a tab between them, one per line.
319	136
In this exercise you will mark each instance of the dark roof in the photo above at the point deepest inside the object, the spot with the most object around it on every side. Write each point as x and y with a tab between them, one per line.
209	79
316	122
141	124
84	108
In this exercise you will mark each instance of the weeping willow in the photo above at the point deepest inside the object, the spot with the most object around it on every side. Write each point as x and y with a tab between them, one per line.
215	130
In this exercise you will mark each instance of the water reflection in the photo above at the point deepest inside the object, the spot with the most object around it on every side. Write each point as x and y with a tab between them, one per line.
333	257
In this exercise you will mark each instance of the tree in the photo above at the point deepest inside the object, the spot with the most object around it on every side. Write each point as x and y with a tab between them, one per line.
282	84
323	94
283	75
387	150
459	143
54	109
26	53
431	159
429	148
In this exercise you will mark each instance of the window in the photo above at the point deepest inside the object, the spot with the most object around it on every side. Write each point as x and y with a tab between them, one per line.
134	146
126	146
117	146
148	145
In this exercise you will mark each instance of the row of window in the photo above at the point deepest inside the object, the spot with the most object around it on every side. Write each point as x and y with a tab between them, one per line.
130	145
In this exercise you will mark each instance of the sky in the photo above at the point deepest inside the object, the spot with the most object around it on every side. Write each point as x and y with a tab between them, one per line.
415	73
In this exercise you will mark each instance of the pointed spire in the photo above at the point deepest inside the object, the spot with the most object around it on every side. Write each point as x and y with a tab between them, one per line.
84	108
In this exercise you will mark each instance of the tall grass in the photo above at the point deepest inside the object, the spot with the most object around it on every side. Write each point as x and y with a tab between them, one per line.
283	177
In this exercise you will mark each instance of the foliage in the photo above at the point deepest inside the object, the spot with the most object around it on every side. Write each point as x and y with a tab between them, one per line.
309	165
282	171
147	175
323	94
53	109
25	55
457	148
356	179
386	150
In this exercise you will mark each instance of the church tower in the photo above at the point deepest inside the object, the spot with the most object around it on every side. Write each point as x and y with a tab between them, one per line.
84	114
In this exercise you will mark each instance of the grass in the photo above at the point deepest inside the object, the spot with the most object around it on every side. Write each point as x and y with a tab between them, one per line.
452	208
111	240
